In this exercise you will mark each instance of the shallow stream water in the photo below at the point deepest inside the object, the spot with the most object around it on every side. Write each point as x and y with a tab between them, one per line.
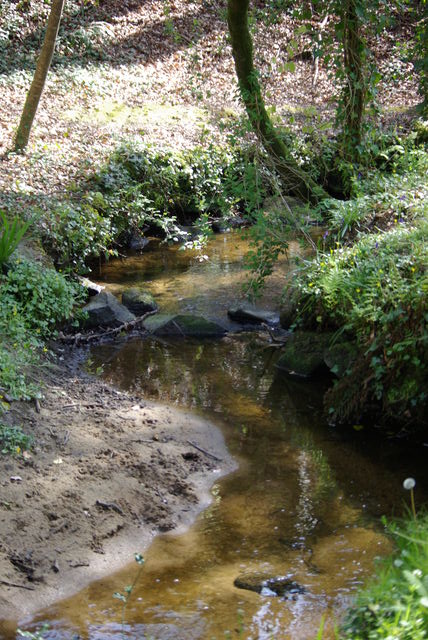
304	503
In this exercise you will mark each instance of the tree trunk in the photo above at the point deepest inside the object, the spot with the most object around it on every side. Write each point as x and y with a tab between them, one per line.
40	74
354	94
296	181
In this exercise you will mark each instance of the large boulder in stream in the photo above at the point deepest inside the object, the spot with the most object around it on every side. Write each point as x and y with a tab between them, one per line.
139	301
184	326
248	315
281	586
303	353
104	310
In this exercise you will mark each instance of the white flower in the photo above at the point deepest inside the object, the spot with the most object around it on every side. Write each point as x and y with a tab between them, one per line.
409	483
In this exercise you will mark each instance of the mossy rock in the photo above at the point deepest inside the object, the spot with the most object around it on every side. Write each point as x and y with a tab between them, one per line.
139	301
303	353
184	326
339	357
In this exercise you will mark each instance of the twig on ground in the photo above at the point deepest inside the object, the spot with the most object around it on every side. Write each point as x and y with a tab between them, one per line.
207	453
18	586
80	338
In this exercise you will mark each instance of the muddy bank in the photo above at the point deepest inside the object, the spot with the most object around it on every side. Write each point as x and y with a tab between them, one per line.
107	472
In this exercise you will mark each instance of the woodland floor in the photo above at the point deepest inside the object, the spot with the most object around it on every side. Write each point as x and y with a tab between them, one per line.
165	73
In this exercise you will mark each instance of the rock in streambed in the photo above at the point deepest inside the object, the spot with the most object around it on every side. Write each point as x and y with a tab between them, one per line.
104	310
281	586
139	301
184	326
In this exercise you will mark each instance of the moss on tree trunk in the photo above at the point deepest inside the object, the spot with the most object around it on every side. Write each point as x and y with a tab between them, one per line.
295	181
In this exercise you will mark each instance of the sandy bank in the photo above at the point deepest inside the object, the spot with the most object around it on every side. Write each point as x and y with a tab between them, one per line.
107	472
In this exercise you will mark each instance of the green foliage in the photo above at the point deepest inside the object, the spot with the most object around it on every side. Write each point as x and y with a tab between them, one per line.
383	199
181	185
11	234
37	635
13	440
76	231
395	603
376	290
33	301
39	297
146	190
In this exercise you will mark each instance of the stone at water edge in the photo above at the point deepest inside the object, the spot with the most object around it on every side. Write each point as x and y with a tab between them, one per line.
303	353
105	311
139	301
246	315
138	242
181	325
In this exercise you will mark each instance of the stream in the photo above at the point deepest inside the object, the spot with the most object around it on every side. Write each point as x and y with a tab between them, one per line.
304	503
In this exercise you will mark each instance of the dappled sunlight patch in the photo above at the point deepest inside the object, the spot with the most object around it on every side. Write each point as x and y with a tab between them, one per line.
112	112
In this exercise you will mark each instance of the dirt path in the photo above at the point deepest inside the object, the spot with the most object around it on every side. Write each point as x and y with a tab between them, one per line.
107	472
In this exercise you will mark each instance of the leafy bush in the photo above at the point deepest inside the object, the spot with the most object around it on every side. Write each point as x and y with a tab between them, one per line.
13	440
382	199
40	297
376	290
395	603
33	301
74	232
147	190
182	185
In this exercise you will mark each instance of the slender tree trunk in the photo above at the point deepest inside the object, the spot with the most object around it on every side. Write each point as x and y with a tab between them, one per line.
296	181
40	74
422	36
354	95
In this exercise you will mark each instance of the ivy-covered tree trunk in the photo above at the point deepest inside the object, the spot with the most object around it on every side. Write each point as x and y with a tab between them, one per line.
40	74
354	93
294	180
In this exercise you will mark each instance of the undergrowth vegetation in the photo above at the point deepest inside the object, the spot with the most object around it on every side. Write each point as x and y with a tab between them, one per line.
369	282
34	300
146	191
395	603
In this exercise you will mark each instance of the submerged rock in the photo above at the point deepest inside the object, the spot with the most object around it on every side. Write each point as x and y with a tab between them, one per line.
138	242
139	301
105	311
247	315
184	325
303	353
340	357
281	586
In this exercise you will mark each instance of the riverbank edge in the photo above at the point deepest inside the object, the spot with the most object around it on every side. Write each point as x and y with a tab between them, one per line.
138	457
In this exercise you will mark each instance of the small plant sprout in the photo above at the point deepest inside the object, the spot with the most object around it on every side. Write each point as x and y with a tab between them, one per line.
409	484
124	597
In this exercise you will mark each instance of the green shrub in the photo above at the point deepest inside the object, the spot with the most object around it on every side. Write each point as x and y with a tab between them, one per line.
147	190
382	199
395	603
75	232
33	301
376	290
13	440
